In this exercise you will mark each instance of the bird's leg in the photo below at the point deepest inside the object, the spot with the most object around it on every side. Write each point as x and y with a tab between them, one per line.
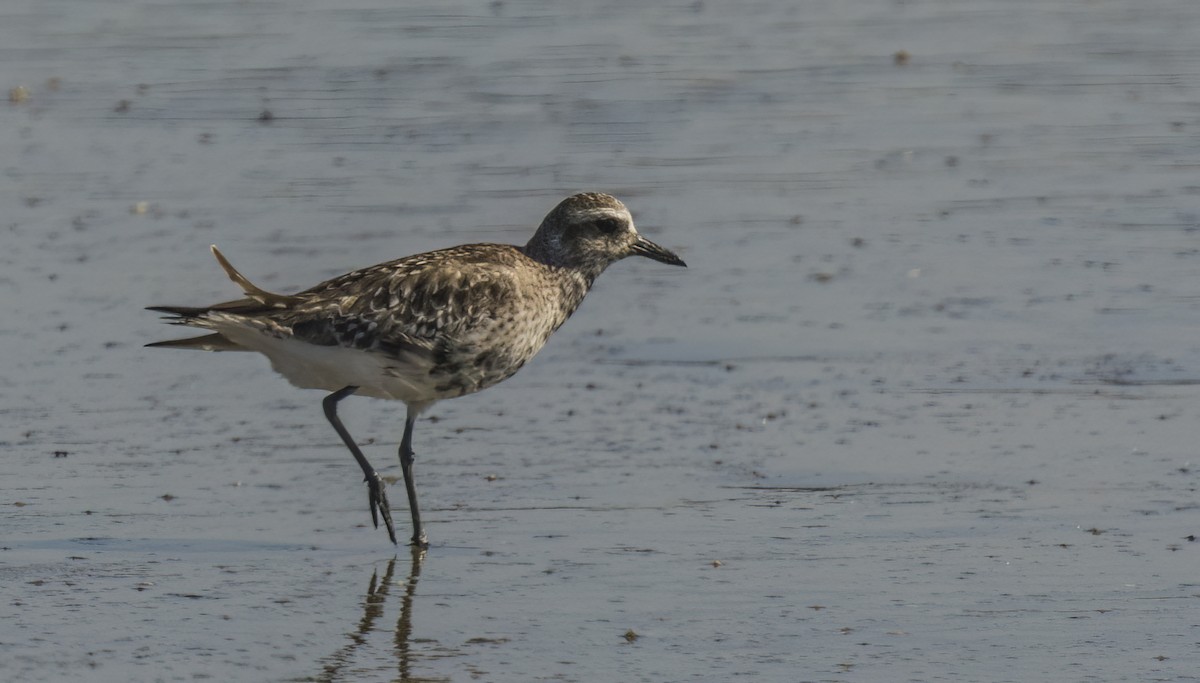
377	495
406	463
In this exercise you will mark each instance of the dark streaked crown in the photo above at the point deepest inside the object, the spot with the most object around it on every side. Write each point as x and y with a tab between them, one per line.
588	230
583	205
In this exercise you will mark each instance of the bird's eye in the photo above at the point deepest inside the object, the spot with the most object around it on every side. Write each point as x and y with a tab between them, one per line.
608	226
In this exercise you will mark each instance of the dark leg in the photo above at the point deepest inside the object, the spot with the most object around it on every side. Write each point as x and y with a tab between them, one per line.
375	486
406	462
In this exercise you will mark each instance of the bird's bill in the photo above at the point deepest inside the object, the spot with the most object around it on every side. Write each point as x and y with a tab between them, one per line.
644	247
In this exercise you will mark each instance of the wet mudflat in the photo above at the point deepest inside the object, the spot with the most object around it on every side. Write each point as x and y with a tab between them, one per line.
923	407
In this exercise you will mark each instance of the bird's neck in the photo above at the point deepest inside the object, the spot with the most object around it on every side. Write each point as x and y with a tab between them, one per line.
572	277
574	273
574	284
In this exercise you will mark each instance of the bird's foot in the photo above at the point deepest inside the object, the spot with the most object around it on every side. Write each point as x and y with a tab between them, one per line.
379	504
420	540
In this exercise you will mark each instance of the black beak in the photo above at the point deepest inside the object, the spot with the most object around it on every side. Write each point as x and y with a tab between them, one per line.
644	247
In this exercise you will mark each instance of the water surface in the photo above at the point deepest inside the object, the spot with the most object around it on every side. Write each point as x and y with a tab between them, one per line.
922	408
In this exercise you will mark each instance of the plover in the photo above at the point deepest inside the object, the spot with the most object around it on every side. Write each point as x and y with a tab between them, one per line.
426	327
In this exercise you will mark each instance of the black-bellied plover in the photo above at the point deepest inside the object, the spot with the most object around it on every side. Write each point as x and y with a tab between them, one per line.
426	327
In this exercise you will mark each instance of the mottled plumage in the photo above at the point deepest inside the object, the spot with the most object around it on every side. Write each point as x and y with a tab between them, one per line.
425	327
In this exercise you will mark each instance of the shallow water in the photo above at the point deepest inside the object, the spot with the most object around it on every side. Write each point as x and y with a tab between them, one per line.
922	407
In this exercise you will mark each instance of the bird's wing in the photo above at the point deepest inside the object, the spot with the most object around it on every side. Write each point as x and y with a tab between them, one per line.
408	307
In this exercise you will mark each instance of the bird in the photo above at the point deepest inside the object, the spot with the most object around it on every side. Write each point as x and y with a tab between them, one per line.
426	327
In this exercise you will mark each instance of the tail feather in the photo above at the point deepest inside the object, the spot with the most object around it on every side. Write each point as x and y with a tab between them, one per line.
258	301
208	342
181	311
251	290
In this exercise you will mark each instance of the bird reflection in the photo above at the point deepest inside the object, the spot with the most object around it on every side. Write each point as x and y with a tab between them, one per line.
341	665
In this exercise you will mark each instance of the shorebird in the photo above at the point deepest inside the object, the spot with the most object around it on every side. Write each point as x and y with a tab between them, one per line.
426	327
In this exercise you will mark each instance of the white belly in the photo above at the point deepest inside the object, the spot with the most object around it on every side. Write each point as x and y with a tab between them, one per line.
332	368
